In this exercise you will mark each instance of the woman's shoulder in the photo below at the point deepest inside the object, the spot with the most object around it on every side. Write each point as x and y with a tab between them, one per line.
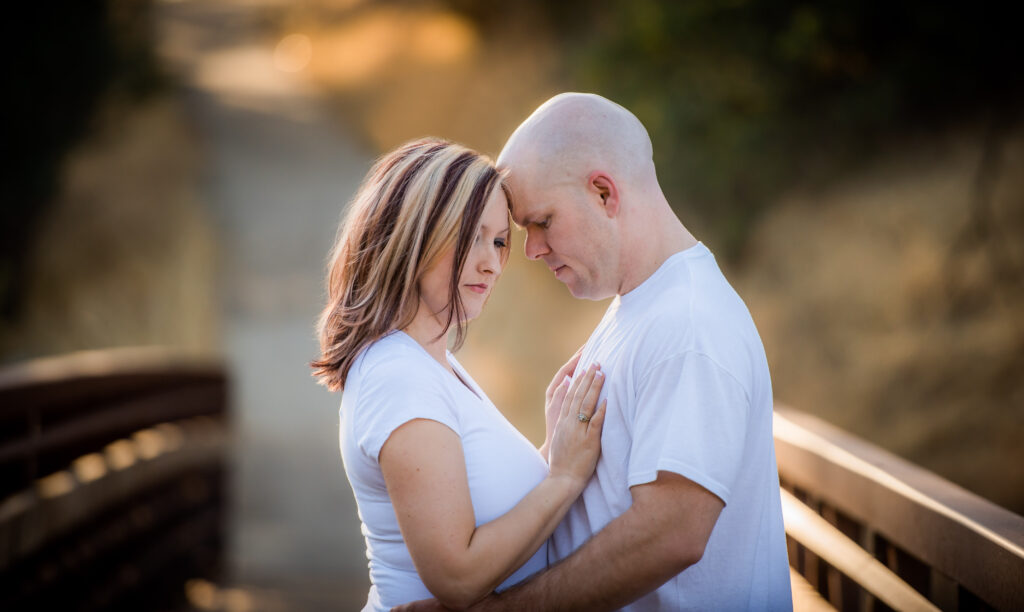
393	358
391	382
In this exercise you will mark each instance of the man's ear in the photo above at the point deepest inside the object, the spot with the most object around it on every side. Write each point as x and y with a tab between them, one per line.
607	190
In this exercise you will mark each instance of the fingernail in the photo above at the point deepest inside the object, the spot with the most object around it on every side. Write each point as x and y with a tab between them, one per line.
600	374
567	380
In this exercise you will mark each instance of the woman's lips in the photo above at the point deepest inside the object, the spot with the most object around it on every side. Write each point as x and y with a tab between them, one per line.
481	288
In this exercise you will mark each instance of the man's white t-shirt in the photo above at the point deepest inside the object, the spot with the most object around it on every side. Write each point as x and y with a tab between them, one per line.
392	382
688	392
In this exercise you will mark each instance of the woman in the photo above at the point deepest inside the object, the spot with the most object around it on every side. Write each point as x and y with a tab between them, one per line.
454	501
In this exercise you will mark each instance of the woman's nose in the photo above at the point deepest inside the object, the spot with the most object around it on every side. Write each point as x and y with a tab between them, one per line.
490	261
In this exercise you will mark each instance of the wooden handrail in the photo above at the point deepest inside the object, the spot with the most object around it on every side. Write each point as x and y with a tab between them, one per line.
104	363
112	468
845	555
966	538
57	408
64	499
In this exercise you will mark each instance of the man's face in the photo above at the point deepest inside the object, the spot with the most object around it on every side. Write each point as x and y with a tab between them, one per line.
567	229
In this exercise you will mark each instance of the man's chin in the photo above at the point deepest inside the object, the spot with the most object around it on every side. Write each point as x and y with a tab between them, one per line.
579	292
586	292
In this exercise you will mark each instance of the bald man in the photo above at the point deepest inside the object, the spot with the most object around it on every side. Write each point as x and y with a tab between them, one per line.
683	511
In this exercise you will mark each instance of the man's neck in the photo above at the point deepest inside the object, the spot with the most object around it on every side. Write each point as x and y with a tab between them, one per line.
640	263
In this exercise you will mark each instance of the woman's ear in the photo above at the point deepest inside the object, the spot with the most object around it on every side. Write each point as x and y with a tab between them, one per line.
604	186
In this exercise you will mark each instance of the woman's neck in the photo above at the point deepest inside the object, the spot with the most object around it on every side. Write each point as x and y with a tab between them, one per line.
430	333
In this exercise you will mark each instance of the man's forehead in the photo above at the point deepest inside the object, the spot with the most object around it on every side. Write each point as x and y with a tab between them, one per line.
525	211
534	204
519	195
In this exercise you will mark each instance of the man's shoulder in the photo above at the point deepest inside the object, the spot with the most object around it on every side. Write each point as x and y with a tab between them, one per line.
682	321
661	329
665	320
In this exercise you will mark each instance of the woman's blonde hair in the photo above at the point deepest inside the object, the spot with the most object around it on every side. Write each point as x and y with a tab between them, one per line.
416	203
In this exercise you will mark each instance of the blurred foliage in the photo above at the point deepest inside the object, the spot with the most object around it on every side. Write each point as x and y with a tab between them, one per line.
67	57
744	98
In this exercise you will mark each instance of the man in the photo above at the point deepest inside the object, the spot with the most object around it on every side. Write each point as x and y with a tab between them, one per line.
683	511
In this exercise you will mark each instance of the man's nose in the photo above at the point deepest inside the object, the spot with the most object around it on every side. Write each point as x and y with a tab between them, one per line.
536	246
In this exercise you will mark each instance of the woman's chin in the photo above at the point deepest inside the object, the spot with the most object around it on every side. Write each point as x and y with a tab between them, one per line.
473	305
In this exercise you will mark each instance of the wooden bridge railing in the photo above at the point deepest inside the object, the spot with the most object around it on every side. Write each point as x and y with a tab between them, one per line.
870	531
111	479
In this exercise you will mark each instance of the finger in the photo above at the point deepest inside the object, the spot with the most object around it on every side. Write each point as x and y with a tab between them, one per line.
570	366
565	370
567	403
560	391
559	380
589	403
579	391
597	421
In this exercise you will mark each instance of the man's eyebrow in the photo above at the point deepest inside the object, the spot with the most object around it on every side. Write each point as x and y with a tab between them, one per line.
528	220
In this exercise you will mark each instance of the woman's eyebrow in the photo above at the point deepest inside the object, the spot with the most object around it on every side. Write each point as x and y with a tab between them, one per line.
507	230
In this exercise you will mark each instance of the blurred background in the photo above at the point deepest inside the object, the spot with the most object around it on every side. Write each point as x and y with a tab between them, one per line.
176	170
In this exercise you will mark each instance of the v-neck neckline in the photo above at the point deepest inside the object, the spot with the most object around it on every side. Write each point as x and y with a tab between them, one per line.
457	372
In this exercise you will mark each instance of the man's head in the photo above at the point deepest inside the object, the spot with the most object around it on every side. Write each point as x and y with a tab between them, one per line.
582	179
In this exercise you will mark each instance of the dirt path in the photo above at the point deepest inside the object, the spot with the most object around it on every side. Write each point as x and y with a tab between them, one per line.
276	173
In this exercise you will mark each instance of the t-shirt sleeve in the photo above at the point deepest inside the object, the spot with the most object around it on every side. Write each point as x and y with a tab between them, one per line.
395	393
691	419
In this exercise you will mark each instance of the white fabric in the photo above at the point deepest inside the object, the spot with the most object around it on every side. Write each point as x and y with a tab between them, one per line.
689	392
392	382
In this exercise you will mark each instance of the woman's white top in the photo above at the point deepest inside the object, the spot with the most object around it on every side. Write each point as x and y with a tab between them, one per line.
392	382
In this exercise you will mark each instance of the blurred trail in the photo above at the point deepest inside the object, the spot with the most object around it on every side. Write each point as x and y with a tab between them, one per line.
277	172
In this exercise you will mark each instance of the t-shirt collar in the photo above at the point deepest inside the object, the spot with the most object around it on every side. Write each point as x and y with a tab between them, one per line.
646	289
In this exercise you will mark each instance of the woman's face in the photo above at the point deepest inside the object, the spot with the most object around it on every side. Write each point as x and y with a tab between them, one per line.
482	268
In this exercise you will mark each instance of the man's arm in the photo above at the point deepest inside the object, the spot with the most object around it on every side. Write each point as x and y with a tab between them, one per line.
663	532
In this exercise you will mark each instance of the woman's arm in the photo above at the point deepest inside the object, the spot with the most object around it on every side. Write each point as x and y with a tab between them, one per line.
425	472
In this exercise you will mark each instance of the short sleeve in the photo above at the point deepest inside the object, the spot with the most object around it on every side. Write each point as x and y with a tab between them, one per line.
691	419
394	393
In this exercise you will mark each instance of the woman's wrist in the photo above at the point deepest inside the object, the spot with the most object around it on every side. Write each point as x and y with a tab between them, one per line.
569	485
